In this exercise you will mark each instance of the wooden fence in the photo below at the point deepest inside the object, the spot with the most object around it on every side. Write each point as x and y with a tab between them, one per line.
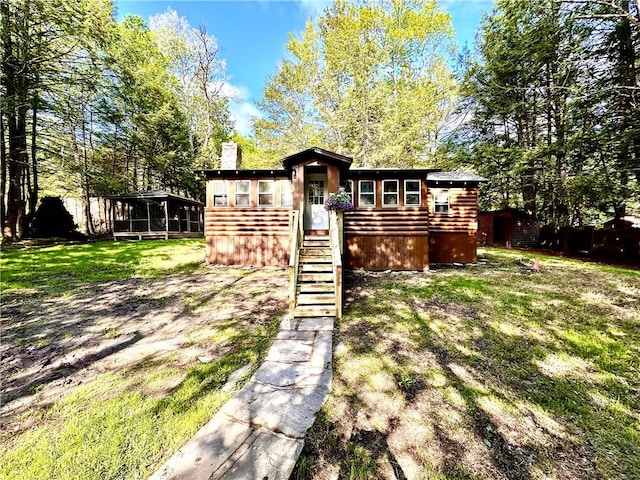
605	244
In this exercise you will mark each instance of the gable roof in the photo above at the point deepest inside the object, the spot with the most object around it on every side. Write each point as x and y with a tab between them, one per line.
316	153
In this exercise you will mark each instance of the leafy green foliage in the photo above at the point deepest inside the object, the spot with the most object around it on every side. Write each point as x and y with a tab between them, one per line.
371	80
553	108
91	107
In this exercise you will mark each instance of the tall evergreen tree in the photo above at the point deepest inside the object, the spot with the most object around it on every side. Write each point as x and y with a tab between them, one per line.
552	109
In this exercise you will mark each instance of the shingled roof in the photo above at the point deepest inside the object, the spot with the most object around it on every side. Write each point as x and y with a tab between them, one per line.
454	177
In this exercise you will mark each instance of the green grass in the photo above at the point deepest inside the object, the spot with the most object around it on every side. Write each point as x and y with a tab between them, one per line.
55	270
487	371
125	422
116	427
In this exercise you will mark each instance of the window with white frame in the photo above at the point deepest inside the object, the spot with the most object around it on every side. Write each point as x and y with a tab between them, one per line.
220	194
390	193
286	195
243	193
441	200
367	193
266	189
348	189
412	195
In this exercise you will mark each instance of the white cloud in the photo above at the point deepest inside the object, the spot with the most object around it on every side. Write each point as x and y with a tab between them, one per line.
232	92
241	106
242	114
315	7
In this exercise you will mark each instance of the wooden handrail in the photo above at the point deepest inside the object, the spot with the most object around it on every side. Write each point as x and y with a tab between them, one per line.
296	236
301	222
335	242
293	235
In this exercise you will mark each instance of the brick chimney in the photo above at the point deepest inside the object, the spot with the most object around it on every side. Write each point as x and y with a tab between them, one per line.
231	158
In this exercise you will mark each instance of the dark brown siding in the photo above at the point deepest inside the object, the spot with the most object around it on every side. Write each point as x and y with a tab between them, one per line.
256	237
452	235
392	239
452	247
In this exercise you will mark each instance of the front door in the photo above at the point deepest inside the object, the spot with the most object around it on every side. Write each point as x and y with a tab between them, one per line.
316	193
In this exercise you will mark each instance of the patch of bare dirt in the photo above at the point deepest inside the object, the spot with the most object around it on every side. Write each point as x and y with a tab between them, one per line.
52	344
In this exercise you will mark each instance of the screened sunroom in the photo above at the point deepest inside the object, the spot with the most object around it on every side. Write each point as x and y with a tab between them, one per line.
155	214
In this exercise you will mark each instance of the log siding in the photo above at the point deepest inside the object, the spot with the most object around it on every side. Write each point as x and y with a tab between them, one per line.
395	239
247	236
453	235
382	236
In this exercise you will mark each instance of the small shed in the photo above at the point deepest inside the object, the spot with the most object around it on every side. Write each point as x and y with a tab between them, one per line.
508	227
155	214
626	222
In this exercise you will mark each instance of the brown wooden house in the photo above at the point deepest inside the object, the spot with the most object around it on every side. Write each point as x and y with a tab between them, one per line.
402	219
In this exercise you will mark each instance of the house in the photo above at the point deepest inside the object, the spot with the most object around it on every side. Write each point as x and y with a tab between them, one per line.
402	219
155	214
508	227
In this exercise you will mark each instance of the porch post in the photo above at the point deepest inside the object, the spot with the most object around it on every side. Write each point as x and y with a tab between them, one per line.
166	218
148	219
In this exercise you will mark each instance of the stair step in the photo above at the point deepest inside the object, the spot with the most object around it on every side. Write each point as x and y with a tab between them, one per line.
315	288
315	251
316	267
315	277
315	311
316	243
316	299
306	258
323	238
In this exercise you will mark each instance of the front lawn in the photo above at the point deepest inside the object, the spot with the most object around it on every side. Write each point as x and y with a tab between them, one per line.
485	372
115	354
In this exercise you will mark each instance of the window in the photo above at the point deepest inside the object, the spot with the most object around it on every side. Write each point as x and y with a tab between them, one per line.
243	193
367	197
286	196
390	193
265	192
412	196
348	189
441	200
220	198
315	192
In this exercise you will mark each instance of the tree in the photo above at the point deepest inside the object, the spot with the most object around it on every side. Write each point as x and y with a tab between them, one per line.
370	80
44	46
552	124
89	107
194	59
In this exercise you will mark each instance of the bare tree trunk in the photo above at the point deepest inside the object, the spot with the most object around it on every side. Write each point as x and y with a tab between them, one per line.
15	88
86	197
3	172
35	189
17	161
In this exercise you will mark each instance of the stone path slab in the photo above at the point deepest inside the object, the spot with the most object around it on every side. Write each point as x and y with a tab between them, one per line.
287	411
259	432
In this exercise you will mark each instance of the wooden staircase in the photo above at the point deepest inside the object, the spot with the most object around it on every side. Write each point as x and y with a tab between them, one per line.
315	287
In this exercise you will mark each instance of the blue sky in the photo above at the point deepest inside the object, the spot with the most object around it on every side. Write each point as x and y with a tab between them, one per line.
252	34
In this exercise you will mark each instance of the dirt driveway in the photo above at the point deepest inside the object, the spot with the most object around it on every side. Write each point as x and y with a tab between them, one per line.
52	344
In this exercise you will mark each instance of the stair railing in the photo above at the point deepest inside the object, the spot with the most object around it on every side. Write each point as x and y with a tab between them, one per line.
296	237
335	242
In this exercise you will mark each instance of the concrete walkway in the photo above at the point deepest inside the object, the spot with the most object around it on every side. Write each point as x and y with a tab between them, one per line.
259	432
